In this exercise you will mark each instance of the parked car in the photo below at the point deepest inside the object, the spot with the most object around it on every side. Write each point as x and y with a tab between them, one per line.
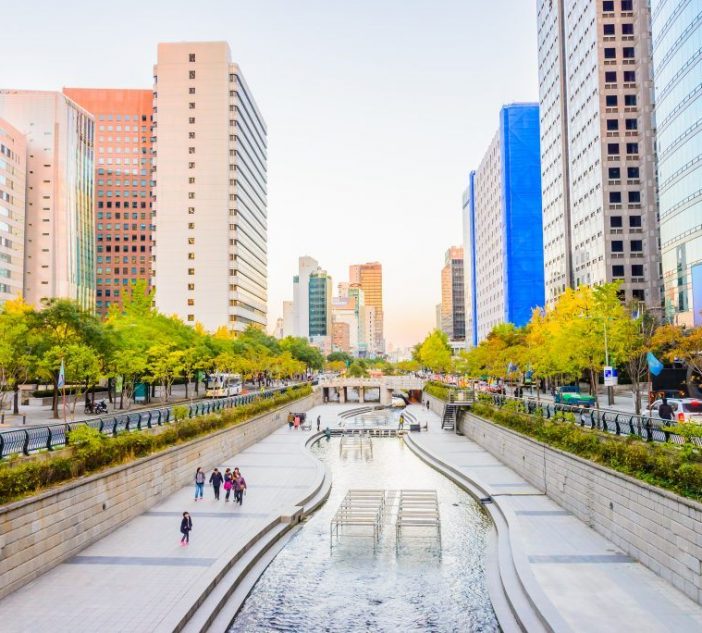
685	410
570	395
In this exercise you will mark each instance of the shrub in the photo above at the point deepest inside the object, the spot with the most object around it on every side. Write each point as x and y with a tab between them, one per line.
180	412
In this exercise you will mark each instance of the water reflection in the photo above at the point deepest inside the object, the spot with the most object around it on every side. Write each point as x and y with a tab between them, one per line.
355	586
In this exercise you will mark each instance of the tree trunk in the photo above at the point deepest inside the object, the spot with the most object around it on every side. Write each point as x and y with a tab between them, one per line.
187	381
54	400
15	400
109	391
593	386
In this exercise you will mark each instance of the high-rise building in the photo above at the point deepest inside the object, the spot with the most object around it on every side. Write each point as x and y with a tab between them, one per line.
341	337
210	247
505	230
288	318
453	307
123	203
469	280
677	64
370	277
59	257
301	292
597	147
319	301
13	174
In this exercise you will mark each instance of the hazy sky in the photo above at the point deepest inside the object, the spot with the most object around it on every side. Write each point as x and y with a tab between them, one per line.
376	112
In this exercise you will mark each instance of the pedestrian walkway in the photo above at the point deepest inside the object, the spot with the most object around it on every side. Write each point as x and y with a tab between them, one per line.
139	578
592	585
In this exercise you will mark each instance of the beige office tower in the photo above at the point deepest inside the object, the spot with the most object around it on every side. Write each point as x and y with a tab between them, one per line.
370	278
210	263
597	147
59	249
13	173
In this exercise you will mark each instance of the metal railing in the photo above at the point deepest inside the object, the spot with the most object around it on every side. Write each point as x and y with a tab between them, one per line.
37	438
616	422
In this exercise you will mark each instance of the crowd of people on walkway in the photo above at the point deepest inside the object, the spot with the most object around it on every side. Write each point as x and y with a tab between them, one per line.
234	486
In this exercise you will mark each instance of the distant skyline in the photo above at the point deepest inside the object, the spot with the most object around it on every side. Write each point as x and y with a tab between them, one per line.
376	113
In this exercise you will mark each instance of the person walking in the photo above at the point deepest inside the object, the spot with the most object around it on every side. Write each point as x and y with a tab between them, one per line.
227	484
199	483
296	423
239	486
216	480
401	425
186	525
665	411
319	422
427	405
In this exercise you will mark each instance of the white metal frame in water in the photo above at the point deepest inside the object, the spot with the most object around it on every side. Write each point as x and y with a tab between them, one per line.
359	509
352	442
418	509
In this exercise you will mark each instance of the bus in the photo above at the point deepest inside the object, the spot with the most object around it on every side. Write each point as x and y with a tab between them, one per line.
219	385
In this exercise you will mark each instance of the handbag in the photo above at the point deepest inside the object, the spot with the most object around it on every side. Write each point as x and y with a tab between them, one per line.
228	485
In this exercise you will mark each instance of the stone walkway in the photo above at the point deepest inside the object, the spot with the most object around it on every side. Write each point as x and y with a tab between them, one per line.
593	586
139	578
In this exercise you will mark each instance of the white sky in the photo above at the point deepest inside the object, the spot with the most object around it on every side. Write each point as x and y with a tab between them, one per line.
376	112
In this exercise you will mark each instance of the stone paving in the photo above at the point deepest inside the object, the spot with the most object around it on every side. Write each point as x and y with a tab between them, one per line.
138	577
594	586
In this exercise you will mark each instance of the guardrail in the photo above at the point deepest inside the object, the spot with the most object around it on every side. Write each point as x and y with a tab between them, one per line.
49	437
608	420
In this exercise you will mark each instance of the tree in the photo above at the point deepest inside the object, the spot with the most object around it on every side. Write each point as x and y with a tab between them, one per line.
301	350
356	370
435	352
637	341
343	357
681	344
16	353
164	365
408	366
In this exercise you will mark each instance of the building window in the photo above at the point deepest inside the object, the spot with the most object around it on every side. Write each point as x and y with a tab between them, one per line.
612	124
615	221
191	195
191	150
191	90
191	240
191	210
191	165
191	105
617	246
191	255
615	197
608	6
618	271
634	197
191	302
608	29
191	74
191	286
629	76
629	100
632	124
632	172
191	271
637	270
610	77
191	57
627	29
636	246
191	180
632	148
610	53
615	173
628	52
191	134
627	5
191	225
635	221
611	101
191	317
191	120
613	149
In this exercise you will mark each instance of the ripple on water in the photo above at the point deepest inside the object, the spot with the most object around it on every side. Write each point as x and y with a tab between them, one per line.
311	587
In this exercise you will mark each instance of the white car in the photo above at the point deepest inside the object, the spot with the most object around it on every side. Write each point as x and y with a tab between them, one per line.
684	410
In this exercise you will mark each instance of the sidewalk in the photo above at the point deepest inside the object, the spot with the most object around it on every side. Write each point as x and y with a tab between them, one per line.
139	578
593	586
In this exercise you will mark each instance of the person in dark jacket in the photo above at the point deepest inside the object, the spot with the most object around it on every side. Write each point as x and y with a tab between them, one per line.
216	480
186	525
227	484
665	411
319	422
239	484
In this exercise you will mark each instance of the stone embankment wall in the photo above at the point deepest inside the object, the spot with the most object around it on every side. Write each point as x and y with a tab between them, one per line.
658	528
40	532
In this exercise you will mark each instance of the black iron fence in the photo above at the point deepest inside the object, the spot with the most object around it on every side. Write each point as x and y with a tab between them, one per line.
643	426
37	438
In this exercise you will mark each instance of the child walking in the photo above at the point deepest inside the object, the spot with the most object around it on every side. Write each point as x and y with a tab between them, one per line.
186	525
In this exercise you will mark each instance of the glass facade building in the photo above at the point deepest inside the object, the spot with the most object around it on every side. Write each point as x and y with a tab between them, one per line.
677	64
504	222
320	291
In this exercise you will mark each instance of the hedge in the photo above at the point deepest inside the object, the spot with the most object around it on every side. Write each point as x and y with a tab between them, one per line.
439	390
91	451
678	469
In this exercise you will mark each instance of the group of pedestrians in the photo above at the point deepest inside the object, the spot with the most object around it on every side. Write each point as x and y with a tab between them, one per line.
231	480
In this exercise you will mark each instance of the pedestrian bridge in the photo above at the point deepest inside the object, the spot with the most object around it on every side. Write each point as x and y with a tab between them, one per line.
344	389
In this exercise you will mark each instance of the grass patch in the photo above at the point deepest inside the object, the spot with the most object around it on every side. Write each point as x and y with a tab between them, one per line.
91	451
675	468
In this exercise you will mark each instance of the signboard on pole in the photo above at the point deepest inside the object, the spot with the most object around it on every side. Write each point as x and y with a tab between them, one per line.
610	376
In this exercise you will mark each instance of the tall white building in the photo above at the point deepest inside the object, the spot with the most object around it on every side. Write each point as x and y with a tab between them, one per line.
13	173
597	147
210	195
59	247
288	318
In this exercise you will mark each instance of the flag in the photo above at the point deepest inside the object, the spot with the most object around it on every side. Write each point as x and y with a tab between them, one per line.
654	365
511	367
62	376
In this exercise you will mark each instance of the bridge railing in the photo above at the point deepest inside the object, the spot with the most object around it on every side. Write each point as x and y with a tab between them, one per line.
51	436
646	427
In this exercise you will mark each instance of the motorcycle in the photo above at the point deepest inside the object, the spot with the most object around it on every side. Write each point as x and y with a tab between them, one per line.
96	408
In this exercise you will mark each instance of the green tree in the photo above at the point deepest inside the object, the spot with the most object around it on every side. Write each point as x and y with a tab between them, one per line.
16	351
356	370
343	357
435	352
301	350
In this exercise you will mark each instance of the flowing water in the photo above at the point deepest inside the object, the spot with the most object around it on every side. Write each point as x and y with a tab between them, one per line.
355	586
